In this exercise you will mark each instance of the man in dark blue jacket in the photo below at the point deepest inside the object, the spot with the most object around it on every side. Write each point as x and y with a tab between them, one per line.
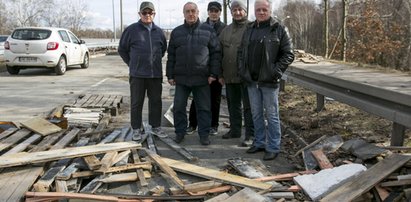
194	58
142	46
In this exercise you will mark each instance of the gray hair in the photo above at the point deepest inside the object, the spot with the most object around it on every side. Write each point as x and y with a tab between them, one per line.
270	3
192	3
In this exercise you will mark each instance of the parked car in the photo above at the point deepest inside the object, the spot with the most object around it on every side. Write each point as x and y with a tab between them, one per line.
3	38
32	47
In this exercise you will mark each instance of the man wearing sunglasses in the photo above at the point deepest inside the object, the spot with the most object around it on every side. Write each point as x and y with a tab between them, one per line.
142	46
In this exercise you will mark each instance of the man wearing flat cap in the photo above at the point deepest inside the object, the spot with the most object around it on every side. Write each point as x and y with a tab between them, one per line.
214	13
236	91
142	46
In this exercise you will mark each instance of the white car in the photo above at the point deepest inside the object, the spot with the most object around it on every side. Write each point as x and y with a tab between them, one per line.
56	48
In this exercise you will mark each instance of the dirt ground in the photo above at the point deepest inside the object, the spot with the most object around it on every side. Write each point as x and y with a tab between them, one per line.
298	111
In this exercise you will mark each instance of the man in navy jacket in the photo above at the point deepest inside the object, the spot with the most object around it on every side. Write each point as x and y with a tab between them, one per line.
142	46
194	61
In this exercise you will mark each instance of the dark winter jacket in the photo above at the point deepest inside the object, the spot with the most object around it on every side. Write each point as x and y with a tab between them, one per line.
218	26
194	54
142	50
277	54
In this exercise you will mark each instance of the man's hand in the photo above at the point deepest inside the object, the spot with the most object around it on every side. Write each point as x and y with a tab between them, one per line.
172	82
211	79
221	81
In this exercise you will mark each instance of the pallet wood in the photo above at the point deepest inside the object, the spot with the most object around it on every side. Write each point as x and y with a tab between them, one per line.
7	133
215	175
244	168
15	182
41	126
322	159
23	146
310	145
47	141
181	150
139	171
100	127
67	172
122	158
102	101
395	183
220	198
124	177
81	101
202	186
63	142
124	131
95	101
111	137
46	156
13	139
43	184
61	186
93	185
107	161
286	176
90	100
109	102
367	179
246	195
165	168
92	162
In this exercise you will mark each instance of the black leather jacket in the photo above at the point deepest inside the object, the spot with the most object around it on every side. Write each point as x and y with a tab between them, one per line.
278	54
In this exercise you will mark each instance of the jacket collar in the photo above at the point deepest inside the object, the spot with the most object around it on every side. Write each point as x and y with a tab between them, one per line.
192	26
153	26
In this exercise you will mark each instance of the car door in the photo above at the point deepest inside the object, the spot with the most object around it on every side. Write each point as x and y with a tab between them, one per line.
68	46
77	53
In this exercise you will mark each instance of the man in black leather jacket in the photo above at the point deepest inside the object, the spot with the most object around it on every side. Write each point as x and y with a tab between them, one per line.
264	55
194	57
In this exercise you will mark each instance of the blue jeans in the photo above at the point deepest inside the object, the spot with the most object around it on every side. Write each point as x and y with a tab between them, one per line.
201	95
263	99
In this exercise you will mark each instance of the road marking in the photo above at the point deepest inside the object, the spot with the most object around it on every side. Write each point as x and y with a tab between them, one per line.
100	82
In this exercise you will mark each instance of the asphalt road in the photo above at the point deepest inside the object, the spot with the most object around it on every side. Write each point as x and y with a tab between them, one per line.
34	92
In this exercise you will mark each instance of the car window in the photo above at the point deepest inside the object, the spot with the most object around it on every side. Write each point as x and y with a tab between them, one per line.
74	38
31	34
64	36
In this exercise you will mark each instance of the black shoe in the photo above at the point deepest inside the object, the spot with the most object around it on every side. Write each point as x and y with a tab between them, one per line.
204	140
179	138
190	130
270	156
247	142
255	149
229	135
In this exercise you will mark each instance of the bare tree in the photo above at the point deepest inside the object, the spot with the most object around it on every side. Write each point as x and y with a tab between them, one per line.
27	12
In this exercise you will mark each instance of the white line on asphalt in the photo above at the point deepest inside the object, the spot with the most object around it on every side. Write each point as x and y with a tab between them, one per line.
100	82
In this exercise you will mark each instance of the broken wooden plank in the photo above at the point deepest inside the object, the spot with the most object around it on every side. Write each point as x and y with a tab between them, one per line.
285	177
310	145
166	168
366	180
63	142
82	100
23	146
202	186
124	177
107	161
7	133
47	141
13	139
322	159
122	158
100	127
93	185
246	195
67	172
43	184
395	183
55	196
244	168
61	186
92	162
51	155
139	171
124	131
181	150
109	138
208	173
41	126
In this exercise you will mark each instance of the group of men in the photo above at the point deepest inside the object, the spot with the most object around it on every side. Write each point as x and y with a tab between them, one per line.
249	58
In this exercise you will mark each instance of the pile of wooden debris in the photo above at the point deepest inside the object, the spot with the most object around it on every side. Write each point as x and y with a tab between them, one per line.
51	158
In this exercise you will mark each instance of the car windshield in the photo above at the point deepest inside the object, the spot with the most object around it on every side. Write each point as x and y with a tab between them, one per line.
31	34
3	38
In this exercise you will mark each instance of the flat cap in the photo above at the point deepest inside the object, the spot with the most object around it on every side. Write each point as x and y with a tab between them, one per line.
145	5
214	5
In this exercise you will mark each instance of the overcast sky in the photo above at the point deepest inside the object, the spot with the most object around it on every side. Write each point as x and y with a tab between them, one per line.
169	12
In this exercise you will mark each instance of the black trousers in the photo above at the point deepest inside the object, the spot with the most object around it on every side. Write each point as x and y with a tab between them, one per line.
237	94
215	98
138	89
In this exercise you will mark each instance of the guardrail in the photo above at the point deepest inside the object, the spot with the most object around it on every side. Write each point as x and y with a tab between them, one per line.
93	47
382	94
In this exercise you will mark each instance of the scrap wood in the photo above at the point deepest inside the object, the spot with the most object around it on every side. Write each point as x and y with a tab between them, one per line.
23	146
322	159
219	198
366	180
286	176
216	190
13	139
35	196
201	186
24	158
92	162
7	133
41	126
107	161
165	168
310	145
43	184
395	183
124	177
246	195
139	171
179	149
47	141
212	174
63	142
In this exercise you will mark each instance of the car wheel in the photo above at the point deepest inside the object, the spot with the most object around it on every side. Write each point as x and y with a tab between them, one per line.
61	66
13	70
86	62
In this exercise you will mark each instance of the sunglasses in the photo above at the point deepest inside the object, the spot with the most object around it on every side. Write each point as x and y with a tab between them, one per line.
147	12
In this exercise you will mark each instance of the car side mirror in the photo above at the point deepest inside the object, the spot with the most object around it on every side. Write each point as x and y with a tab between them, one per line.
82	42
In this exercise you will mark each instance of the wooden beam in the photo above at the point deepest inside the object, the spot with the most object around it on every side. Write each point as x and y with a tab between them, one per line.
286	176
165	168
63	142
139	171
215	175
13	139
46	156
43	184
93	163
322	159
367	179
23	146
124	177
107	161
47	141
7	133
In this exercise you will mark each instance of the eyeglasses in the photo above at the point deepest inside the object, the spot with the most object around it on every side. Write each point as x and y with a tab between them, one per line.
147	12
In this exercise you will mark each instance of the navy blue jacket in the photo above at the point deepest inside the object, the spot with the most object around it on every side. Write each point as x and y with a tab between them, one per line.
194	54
142	50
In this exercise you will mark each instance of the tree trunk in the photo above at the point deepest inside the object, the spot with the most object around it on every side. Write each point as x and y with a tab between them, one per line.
344	30
326	7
